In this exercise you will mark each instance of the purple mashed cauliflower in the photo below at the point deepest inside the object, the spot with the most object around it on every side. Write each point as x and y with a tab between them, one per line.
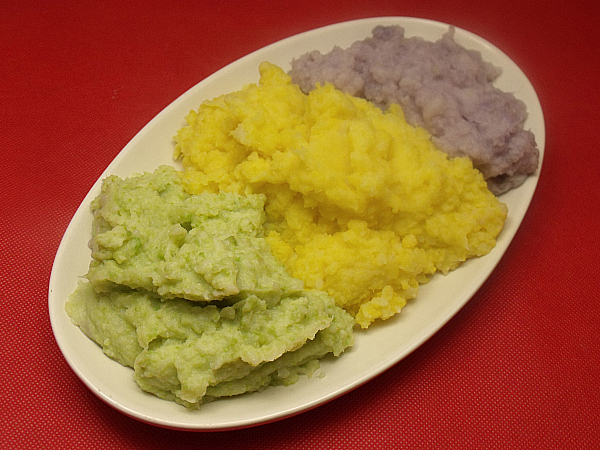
441	87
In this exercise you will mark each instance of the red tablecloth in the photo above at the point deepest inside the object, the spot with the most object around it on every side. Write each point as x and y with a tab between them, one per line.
518	367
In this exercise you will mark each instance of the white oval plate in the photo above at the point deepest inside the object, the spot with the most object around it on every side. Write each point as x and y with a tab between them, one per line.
376	349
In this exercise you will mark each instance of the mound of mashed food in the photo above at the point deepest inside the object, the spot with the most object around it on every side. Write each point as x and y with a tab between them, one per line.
184	289
359	203
442	87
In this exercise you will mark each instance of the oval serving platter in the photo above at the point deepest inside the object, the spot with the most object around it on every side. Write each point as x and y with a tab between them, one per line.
375	349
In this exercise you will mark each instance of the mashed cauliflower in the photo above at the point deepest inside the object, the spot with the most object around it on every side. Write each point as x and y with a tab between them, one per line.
359	203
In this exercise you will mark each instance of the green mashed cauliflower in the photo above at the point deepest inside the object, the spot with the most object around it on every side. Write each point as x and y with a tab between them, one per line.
185	290
149	233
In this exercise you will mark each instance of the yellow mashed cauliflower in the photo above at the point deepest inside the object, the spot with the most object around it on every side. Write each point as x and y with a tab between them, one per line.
359	203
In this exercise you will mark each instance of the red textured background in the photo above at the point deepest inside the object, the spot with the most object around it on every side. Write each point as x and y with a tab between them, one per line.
518	367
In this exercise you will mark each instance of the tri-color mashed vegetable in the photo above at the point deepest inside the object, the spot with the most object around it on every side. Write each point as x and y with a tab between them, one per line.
296	216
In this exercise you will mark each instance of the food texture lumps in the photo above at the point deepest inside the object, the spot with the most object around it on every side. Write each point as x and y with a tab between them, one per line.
149	233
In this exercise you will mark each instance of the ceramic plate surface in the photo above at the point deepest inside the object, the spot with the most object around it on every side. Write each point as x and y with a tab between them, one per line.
375	349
